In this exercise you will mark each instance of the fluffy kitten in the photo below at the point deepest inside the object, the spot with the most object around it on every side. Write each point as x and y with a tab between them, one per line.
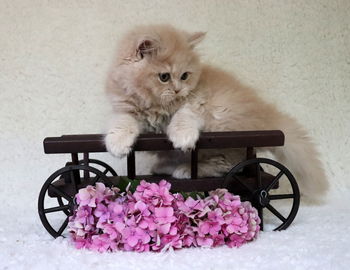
158	84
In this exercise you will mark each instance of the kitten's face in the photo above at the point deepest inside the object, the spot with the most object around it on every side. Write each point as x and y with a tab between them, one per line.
159	64
170	79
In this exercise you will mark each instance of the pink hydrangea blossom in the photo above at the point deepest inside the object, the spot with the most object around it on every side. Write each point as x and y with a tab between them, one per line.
154	219
102	243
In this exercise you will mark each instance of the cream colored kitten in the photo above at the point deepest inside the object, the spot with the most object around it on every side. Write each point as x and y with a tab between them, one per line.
158	84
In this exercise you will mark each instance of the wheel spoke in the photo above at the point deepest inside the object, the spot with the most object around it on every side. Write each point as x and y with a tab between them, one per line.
64	225
276	213
72	177
96	178
274	182
102	164
281	196
258	176
56	209
105	171
86	175
60	202
61	193
242	183
261	215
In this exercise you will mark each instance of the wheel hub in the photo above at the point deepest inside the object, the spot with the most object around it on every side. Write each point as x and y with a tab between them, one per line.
263	197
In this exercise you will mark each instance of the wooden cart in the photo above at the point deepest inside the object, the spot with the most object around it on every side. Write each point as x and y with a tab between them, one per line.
248	178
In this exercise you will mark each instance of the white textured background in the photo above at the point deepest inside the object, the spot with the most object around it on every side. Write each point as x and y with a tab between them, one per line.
54	56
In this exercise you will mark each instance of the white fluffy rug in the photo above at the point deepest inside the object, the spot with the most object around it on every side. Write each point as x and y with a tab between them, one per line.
318	239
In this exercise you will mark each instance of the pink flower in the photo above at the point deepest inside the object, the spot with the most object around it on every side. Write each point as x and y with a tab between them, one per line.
141	206
209	227
153	219
216	216
81	242
111	231
102	213
147	223
204	241
156	195
188	205
119	226
82	222
133	236
173	241
235	240
86	196
83	215
164	215
116	212
101	243
164	228
219	240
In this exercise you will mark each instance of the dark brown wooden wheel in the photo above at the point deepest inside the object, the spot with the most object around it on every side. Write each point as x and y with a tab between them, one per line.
62	203
98	164
261	188
102	166
60	188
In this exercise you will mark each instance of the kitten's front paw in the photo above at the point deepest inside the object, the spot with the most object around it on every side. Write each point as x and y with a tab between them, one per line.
183	138
182	171
119	143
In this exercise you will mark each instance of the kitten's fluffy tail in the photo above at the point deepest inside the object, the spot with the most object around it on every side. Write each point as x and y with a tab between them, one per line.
300	156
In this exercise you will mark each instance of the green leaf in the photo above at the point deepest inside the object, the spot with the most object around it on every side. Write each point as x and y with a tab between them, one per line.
133	185
193	194
125	183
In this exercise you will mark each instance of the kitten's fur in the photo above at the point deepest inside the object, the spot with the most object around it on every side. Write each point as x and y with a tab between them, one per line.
208	100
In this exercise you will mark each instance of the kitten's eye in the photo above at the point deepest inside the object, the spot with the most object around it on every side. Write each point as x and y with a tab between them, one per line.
184	76
164	77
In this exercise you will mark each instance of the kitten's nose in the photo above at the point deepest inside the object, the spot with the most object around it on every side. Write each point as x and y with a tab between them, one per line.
177	91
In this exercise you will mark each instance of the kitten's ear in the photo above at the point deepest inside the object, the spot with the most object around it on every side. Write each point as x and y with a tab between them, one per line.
146	47
195	38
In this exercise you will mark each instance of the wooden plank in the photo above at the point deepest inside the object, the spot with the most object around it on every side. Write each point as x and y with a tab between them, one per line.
177	185
158	142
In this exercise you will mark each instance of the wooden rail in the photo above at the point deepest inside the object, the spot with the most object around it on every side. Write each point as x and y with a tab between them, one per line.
155	142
